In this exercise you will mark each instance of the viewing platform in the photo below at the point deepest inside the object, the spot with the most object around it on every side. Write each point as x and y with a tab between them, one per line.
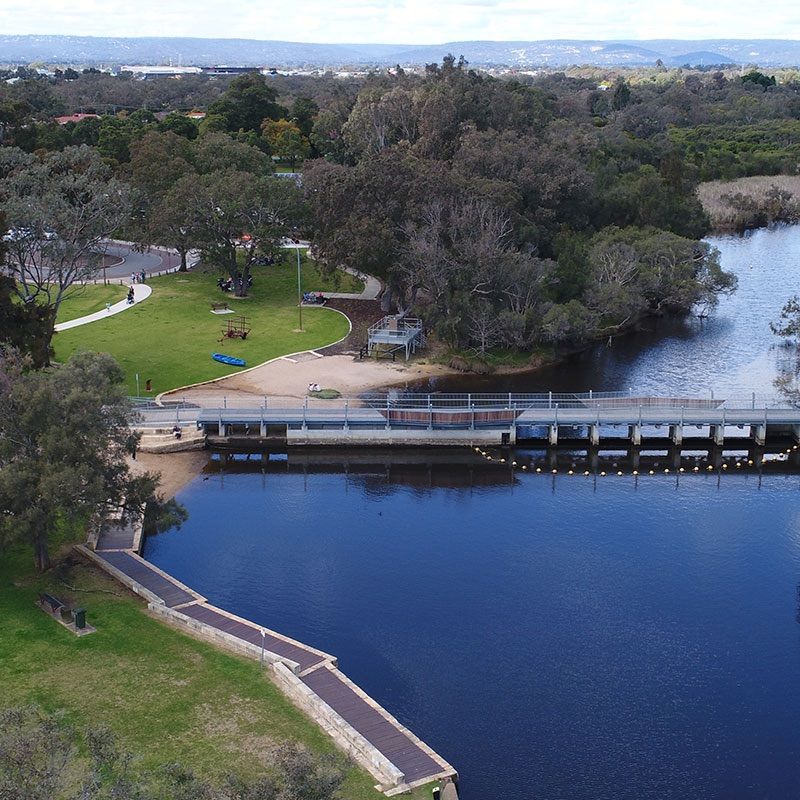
392	334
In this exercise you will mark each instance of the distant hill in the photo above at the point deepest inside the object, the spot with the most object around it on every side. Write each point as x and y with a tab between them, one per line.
522	54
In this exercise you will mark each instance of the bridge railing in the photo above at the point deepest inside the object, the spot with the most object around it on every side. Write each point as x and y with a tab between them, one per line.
618	399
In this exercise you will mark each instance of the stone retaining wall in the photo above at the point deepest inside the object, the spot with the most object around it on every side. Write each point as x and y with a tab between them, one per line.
212	635
344	735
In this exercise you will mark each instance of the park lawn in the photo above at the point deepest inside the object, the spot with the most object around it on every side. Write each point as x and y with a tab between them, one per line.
93	297
169	697
169	337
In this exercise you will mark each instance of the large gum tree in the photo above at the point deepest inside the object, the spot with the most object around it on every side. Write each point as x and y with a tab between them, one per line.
59	209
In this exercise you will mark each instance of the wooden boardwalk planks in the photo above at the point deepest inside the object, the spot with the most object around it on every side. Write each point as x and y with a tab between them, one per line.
395	744
252	633
117	537
142	572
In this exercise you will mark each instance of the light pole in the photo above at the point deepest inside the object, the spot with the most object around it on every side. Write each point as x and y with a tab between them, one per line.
299	290
263	634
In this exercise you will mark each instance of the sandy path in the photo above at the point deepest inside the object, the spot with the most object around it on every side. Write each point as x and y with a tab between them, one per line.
286	381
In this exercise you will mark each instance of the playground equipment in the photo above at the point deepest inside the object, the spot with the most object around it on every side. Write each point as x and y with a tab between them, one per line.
236	328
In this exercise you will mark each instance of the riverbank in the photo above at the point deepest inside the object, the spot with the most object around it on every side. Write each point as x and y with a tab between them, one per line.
168	697
176	470
285	380
755	202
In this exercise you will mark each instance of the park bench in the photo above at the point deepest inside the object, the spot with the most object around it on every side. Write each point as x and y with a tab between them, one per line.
52	604
219	306
72	618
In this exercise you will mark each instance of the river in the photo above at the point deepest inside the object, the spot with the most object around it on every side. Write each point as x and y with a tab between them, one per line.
553	637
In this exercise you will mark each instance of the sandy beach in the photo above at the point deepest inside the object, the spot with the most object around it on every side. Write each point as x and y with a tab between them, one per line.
285	380
176	469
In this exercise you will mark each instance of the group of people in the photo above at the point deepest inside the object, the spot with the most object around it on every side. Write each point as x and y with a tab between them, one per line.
138	277
315	298
313	387
227	284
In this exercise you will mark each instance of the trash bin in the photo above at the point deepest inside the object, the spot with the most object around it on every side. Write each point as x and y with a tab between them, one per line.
79	615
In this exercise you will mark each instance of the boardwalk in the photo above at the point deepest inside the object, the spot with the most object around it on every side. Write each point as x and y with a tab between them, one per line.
395	756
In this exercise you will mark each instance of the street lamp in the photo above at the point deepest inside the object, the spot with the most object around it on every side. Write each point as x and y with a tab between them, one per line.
299	290
263	634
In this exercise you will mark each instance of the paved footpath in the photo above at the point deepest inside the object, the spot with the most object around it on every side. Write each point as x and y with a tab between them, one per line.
141	291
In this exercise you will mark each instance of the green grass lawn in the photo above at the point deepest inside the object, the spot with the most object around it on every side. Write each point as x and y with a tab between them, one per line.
169	697
169	338
90	299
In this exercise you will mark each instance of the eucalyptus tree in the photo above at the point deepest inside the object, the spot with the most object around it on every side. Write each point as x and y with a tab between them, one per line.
239	216
64	440
59	209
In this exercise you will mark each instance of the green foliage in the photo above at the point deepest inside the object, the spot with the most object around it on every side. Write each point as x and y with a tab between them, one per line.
759	78
735	150
64	436
246	103
788	327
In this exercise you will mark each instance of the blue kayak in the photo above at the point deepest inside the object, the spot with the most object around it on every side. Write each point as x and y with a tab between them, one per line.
230	360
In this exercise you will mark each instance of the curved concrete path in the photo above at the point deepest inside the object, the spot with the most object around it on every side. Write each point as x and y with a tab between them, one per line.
141	291
372	288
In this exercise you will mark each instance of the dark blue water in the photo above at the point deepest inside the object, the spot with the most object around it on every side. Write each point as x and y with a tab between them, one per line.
562	638
553	638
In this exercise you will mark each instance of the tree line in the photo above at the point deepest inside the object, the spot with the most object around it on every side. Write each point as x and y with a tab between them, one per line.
492	207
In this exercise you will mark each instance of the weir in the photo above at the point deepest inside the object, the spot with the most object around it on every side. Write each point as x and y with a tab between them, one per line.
448	420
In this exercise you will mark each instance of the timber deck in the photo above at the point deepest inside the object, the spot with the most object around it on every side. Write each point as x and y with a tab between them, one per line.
305	657
374	724
317	671
119	537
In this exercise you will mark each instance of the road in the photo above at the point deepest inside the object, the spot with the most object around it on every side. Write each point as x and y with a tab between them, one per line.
155	260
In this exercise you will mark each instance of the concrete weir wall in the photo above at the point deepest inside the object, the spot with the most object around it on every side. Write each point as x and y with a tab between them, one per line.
421	437
346	737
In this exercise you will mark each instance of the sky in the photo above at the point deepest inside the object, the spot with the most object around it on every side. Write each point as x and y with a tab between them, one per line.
404	21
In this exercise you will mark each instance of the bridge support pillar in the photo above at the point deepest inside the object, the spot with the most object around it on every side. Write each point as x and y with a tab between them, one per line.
552	435
221	429
594	435
756	455
675	457
263	430
676	435
717	433
759	433
635	434
634	457
594	459
715	457
796	432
